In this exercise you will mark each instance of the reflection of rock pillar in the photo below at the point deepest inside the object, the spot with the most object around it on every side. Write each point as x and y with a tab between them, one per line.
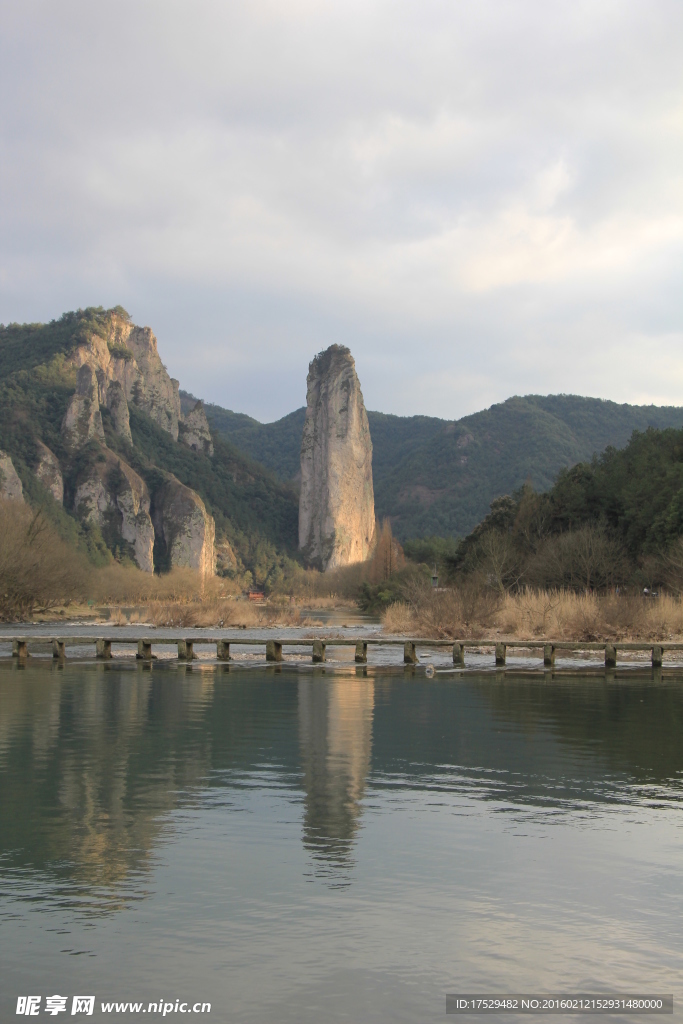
335	734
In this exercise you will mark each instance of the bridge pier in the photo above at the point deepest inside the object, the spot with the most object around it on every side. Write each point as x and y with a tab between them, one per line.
318	650
410	653
318	645
144	650
273	650
103	649
186	650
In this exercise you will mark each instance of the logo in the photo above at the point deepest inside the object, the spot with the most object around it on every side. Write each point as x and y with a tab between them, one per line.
29	1006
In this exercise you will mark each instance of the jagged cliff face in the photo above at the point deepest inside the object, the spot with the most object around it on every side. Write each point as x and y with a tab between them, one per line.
10	484
114	497
115	371
337	505
83	419
154	392
194	430
186	528
48	471
115	401
129	355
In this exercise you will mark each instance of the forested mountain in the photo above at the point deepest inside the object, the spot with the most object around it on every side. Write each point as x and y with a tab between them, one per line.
125	464
92	424
439	477
615	520
275	445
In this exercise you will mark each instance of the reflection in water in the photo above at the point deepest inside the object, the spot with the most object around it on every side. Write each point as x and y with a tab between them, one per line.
521	832
335	737
88	769
94	759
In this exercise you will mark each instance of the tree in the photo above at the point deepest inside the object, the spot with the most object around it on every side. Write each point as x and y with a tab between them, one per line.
37	569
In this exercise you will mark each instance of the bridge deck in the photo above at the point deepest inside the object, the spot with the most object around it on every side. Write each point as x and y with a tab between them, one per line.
274	646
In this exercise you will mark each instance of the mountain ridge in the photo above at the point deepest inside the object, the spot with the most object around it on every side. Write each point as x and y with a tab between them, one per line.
438	477
92	424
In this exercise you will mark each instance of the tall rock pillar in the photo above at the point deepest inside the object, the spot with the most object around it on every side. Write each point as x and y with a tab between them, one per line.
337	503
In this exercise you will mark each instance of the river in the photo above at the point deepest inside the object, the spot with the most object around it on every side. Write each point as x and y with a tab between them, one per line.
326	845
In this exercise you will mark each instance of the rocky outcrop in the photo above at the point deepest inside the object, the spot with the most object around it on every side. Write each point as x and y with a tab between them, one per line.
194	430
115	401
113	496
117	368
337	505
226	560
83	419
155	392
128	354
184	526
125	357
10	484
48	471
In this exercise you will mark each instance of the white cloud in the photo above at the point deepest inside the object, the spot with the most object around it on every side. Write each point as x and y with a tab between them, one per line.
463	193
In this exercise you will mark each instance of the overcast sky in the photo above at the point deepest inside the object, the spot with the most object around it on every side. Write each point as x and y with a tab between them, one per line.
479	198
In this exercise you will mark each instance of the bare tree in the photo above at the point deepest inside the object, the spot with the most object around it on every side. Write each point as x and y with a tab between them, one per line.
588	559
672	566
37	569
498	560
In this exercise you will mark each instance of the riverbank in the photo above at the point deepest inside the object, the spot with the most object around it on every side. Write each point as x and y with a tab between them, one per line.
560	615
448	614
212	612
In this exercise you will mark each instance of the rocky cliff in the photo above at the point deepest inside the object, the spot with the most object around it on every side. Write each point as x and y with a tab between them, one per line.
337	506
88	410
49	472
118	366
116	403
128	354
10	484
183	526
111	495
194	430
83	419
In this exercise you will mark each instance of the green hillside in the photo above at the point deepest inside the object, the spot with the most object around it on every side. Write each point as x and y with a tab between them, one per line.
249	505
274	445
439	477
431	476
253	509
616	520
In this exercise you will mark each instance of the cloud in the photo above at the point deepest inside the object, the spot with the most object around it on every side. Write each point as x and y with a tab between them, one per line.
480	199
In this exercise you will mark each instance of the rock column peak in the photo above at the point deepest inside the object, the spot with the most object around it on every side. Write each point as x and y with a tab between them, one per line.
337	504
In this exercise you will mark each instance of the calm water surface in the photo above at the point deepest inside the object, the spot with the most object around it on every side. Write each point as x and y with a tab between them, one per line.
326	846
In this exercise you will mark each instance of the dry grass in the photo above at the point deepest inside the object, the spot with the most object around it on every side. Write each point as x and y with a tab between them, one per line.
571	616
181	598
330	603
37	569
117	584
197	613
208	614
558	615
398	618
